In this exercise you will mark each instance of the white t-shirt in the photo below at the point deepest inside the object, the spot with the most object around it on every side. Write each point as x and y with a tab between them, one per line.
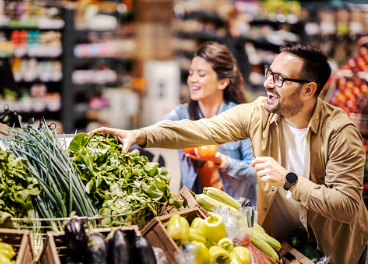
285	210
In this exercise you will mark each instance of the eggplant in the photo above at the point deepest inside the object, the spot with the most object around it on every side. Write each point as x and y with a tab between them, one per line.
76	239
143	252
98	250
120	249
70	260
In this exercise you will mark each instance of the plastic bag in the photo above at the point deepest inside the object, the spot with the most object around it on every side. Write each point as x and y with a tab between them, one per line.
324	260
239	225
160	256
186	253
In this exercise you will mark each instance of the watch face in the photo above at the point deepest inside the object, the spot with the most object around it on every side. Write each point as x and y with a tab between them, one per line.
291	177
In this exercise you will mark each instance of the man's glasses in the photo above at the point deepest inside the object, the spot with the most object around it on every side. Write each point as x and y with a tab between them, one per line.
278	80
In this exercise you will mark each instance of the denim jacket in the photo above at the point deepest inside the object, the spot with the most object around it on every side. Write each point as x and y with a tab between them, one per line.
238	179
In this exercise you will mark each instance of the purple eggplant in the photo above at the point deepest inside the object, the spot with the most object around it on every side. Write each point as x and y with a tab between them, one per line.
120	249
98	249
76	239
143	252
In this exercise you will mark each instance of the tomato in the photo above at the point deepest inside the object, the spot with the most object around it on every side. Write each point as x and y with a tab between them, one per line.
189	151
207	152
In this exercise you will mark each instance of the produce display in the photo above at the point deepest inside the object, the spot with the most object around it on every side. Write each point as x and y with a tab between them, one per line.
16	187
62	188
120	182
115	248
351	83
213	198
209	235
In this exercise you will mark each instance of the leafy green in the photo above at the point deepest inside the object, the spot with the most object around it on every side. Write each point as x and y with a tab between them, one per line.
120	182
16	188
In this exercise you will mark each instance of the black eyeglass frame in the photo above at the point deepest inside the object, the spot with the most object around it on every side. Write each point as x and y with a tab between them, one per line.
267	67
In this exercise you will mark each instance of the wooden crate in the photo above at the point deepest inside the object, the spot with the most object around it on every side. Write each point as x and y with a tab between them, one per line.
292	256
21	242
156	233
189	201
54	250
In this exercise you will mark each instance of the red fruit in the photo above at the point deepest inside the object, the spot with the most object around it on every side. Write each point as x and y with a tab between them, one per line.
207	152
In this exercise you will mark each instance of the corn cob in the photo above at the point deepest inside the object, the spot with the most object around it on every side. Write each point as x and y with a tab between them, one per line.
221	197
269	239
263	246
208	203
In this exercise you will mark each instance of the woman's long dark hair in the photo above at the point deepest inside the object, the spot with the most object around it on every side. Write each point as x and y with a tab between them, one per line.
225	66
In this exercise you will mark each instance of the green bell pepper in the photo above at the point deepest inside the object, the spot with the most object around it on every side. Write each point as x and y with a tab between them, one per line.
203	255
197	235
214	228
178	229
243	254
218	254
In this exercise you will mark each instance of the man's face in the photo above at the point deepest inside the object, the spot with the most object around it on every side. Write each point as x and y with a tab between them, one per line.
285	100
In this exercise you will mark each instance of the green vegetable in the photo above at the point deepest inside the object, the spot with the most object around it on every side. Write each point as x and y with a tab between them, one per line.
310	252
298	238
62	189
120	182
16	188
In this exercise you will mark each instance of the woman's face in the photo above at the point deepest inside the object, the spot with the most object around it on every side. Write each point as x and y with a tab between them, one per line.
202	80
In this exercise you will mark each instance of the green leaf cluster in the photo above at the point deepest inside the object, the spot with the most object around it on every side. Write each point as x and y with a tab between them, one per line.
120	182
16	188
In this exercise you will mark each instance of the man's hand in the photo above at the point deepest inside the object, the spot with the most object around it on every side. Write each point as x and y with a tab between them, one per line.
126	137
269	171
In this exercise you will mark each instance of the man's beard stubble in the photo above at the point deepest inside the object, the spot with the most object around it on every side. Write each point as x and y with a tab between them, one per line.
290	106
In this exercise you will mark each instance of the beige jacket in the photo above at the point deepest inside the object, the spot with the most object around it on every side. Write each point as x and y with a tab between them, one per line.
332	208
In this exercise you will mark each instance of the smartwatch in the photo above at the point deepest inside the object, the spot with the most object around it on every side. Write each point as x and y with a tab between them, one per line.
290	180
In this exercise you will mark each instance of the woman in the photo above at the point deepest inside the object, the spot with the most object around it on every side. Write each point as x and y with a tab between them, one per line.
216	85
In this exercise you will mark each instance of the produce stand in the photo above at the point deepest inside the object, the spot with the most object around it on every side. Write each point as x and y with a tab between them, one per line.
54	250
156	233
189	201
21	242
38	231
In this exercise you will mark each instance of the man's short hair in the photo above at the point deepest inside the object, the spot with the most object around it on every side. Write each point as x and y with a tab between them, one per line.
316	67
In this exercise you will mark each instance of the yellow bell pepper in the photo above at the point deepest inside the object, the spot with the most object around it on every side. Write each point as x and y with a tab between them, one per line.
4	259
218	254
226	244
196	235
243	254
234	259
214	228
203	255
197	223
7	250
178	229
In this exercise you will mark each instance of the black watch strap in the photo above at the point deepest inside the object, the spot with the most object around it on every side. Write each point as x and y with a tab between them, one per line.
290	179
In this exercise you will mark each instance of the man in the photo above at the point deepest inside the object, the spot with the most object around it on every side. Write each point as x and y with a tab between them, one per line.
309	155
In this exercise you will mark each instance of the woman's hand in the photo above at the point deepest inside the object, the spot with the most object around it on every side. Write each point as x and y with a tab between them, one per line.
126	137
219	159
